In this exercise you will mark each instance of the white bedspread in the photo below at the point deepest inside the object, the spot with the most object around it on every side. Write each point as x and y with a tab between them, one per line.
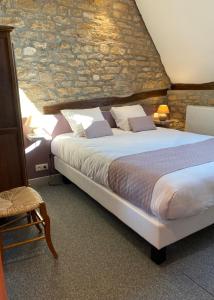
176	195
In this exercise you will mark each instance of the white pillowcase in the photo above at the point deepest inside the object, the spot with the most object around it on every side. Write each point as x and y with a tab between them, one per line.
81	119
123	113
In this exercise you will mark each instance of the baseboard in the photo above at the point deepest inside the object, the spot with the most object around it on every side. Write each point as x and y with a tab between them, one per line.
44	180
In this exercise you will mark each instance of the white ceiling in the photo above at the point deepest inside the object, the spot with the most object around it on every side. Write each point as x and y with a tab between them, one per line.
183	32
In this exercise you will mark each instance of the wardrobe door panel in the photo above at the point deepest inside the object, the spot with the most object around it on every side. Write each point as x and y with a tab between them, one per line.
8	107
12	158
10	167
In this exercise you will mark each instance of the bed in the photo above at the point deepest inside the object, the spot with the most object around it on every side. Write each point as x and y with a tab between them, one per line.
86	163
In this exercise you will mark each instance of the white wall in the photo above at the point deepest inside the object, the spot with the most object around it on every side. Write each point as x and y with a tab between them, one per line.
183	32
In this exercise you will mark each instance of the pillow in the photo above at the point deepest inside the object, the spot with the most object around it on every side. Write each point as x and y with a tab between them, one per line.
141	123
123	113
61	126
98	129
108	117
80	119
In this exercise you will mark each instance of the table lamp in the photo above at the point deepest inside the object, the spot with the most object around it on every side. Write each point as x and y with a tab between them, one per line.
163	111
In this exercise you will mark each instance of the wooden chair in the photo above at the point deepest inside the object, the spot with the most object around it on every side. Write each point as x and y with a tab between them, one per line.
24	203
3	291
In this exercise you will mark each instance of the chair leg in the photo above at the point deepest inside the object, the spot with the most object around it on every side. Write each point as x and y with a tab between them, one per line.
33	214
1	247
43	212
28	217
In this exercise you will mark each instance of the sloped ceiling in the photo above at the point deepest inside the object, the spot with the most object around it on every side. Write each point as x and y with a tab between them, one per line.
183	32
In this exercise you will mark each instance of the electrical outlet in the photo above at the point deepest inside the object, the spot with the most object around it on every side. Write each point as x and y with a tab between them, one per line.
41	167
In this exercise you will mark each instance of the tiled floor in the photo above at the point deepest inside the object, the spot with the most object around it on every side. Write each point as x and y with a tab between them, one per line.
101	258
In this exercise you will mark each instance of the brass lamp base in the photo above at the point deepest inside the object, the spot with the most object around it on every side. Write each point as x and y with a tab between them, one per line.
162	117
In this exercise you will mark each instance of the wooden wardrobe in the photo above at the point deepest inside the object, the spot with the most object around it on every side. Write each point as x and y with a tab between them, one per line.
12	156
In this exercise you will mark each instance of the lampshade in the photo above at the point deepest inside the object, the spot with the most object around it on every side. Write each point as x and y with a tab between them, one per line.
163	109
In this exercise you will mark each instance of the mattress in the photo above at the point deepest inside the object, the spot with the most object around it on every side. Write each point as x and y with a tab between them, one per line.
176	195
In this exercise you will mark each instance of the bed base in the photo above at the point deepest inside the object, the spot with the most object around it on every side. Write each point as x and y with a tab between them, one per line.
158	256
159	233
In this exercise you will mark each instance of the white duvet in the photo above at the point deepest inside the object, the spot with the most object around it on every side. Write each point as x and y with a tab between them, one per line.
176	195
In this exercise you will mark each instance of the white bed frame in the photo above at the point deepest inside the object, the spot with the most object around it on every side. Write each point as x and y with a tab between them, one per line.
157	232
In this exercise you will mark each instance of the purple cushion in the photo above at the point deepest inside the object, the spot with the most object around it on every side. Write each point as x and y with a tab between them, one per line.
108	116
98	129
141	124
61	126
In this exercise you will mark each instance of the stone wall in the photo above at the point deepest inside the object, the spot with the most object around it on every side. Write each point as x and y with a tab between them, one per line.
70	50
178	101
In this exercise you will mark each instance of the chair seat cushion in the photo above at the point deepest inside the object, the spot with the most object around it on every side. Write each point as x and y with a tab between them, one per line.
18	200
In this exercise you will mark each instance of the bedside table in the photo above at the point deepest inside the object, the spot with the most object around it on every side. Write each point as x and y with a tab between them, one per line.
37	152
166	124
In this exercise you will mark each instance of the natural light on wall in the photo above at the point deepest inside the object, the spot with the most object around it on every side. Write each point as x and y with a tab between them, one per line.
27	107
38	124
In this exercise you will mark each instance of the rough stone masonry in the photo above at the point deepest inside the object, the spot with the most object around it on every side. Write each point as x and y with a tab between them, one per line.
178	101
69	50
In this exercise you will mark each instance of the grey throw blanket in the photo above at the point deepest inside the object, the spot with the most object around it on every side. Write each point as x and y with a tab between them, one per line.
134	177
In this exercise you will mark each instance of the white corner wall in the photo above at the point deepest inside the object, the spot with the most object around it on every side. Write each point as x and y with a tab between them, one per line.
183	32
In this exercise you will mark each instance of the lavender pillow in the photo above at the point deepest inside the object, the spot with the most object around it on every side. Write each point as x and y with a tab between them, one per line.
98	129
141	123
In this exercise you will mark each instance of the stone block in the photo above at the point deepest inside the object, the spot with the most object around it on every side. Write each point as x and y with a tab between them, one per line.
116	50
29	51
121	7
211	101
113	70
91	90
88	15
12	21
96	77
43	26
104	49
68	91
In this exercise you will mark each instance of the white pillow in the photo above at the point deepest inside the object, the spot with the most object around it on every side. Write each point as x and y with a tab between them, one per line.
81	119
123	113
